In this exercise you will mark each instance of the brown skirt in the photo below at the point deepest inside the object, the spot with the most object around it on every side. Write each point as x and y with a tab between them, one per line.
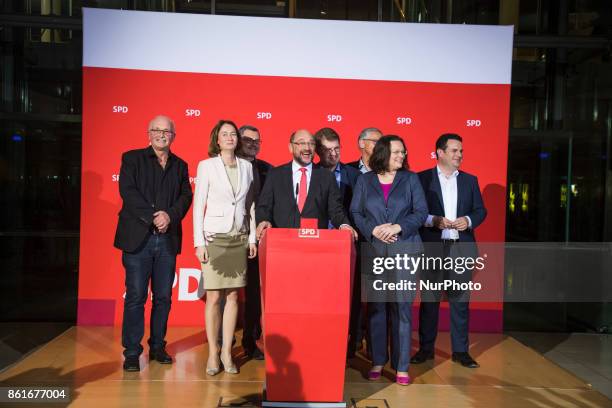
227	264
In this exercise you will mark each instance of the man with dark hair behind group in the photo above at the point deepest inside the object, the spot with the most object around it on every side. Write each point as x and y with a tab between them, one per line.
328	149
251	143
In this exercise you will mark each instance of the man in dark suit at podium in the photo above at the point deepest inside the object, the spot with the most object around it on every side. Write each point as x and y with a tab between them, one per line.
455	210
300	189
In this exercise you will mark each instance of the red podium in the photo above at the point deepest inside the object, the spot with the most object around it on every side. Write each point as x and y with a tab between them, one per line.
306	283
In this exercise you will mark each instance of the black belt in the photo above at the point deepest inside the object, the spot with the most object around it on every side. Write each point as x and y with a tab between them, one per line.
450	241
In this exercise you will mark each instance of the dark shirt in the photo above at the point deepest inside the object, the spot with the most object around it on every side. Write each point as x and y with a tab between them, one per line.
355	164
161	188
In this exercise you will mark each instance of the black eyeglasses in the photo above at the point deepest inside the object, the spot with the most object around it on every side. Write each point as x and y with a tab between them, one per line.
159	132
327	150
304	144
248	140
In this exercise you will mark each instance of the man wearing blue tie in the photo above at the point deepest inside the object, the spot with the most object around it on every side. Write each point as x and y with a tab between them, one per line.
455	210
329	151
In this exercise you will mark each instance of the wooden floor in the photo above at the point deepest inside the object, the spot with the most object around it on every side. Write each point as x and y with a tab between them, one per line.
88	360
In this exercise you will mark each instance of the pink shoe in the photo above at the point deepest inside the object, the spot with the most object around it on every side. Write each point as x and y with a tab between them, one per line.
402	379
374	375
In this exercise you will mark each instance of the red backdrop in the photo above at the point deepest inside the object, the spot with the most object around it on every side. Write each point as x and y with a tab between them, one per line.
118	103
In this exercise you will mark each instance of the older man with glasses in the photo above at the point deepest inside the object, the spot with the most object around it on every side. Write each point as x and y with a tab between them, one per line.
154	186
366	141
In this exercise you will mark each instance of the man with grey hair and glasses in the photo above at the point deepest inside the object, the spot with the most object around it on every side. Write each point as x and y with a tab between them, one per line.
366	141
154	186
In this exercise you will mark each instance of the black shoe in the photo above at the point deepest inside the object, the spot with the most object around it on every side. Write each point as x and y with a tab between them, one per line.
254	352
465	359
353	348
160	356
421	356
131	364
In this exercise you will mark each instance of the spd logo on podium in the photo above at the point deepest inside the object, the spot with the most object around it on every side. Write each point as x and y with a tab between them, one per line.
308	233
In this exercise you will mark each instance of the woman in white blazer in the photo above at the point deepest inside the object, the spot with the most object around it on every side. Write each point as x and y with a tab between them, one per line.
223	235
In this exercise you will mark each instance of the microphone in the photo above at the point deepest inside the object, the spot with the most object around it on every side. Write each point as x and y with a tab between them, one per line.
297	190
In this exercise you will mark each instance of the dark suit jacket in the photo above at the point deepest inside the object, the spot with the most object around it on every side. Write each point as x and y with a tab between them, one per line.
277	204
348	179
405	206
137	189
260	172
469	202
354	164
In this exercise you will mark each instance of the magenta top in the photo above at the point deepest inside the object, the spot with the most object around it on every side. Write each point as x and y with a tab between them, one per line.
386	188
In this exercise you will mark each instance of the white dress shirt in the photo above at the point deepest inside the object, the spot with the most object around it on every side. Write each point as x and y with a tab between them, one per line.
449	200
297	176
362	167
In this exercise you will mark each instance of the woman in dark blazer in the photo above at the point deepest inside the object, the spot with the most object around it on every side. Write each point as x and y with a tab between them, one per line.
389	207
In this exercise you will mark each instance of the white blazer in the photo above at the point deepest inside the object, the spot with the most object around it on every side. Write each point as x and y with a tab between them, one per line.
215	207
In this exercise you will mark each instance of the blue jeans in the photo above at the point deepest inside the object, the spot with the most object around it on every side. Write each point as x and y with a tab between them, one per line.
154	262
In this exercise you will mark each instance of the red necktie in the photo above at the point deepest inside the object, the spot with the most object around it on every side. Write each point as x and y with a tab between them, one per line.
303	189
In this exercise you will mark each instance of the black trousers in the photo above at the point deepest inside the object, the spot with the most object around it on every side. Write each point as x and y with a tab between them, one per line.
429	309
357	319
252	306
